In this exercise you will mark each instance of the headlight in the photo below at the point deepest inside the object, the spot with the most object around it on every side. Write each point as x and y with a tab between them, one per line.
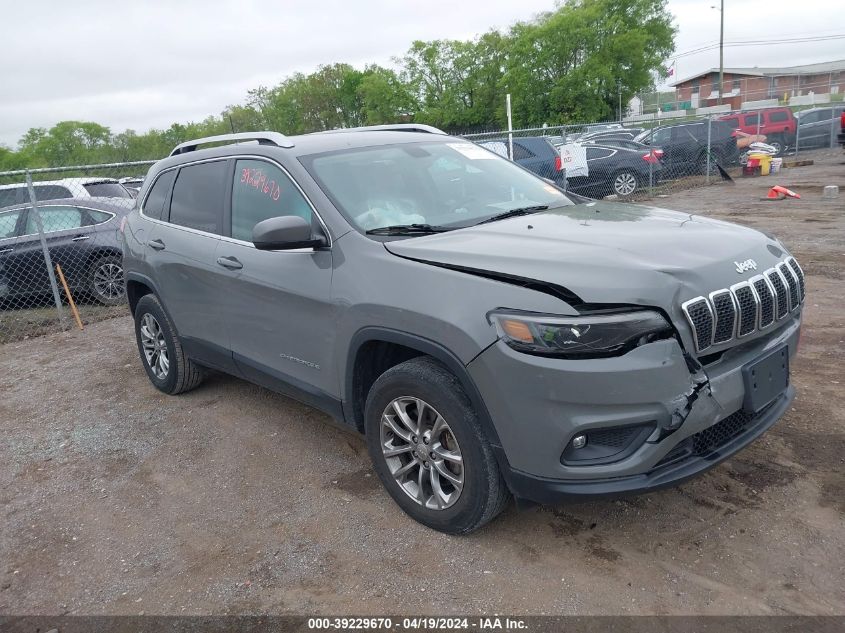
583	336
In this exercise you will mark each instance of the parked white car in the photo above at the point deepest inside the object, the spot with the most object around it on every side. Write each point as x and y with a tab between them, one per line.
65	188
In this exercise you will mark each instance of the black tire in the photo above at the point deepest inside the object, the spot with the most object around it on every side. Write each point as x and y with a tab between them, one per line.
106	283
778	141
484	493
182	373
622	181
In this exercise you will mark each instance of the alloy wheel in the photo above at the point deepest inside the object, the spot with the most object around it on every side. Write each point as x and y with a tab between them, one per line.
154	346
108	281
624	184
422	453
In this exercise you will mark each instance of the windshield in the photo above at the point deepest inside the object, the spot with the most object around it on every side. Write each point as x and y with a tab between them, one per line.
452	184
107	190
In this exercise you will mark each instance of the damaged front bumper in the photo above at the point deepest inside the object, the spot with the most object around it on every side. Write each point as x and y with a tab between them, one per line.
538	405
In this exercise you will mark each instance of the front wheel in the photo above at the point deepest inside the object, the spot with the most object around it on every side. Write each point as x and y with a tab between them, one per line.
624	183
429	450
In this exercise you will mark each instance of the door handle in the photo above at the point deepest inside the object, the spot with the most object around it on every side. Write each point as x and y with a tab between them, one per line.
6	250
81	238
231	263
157	245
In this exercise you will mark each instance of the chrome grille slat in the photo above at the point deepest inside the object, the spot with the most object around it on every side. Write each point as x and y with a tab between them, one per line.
792	283
746	307
724	312
781	293
766	299
799	274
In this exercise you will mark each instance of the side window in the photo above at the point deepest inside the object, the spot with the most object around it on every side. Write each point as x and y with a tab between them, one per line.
197	201
261	191
597	153
811	117
154	204
661	136
51	192
778	117
54	219
752	119
9	223
98	217
520	152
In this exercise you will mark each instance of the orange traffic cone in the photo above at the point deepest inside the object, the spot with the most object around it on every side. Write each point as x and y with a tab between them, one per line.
778	189
774	195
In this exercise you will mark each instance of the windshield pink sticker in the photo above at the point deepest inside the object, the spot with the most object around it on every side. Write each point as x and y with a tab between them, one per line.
258	179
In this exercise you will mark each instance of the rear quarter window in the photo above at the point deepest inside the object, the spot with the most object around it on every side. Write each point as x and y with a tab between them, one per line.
154	204
51	192
778	117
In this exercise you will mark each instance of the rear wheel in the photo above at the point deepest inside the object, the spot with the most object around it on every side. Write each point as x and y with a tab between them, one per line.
778	142
624	183
428	448
161	352
106	283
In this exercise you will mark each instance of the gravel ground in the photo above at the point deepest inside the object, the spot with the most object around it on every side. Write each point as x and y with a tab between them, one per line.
116	499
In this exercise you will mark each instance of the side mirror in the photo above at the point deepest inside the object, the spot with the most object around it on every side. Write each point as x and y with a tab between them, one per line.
284	233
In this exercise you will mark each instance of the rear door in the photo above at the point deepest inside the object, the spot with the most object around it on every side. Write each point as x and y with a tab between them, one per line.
181	257
276	304
67	231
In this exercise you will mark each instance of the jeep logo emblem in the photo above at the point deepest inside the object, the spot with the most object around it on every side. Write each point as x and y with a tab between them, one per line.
748	264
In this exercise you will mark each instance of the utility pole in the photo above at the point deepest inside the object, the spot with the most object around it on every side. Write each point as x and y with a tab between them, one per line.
721	49
619	90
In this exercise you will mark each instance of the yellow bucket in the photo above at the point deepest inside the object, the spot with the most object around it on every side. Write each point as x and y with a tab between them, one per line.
765	162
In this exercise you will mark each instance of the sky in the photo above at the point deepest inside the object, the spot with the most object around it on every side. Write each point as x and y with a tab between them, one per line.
141	65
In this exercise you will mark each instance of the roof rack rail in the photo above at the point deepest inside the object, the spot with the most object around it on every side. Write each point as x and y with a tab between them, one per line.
390	127
263	138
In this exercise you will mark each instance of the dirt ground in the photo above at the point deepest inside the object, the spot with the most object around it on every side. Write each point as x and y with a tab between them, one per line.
116	499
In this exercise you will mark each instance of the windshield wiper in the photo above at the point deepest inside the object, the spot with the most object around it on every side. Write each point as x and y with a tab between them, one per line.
408	229
515	213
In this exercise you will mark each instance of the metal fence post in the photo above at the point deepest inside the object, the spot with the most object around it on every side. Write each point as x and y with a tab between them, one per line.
797	135
709	122
651	178
48	261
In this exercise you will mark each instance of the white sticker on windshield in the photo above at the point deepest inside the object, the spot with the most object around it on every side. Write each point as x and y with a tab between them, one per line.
471	151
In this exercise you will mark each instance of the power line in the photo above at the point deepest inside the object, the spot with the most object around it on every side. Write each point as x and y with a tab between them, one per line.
740	43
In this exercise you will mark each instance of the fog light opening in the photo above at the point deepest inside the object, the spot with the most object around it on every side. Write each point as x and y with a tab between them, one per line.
579	441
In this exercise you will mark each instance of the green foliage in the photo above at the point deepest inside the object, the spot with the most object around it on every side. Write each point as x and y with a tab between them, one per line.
567	65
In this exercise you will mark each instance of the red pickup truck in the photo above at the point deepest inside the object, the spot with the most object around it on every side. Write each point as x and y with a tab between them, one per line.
778	124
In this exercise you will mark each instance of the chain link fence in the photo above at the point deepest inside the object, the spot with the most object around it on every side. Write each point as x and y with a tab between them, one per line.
60	254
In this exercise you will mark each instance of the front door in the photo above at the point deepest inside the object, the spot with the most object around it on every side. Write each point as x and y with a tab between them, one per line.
276	304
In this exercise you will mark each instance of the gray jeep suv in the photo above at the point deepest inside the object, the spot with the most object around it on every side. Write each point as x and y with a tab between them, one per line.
491	335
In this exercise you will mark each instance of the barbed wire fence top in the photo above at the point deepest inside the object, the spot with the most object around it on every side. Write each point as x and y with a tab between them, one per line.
61	262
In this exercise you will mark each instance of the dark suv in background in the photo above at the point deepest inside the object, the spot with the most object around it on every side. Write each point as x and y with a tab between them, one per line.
685	145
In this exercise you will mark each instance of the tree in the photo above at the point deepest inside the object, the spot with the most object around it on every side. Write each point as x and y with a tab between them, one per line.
568	65
384	97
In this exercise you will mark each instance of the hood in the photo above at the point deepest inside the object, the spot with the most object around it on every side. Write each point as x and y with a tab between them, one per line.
605	252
